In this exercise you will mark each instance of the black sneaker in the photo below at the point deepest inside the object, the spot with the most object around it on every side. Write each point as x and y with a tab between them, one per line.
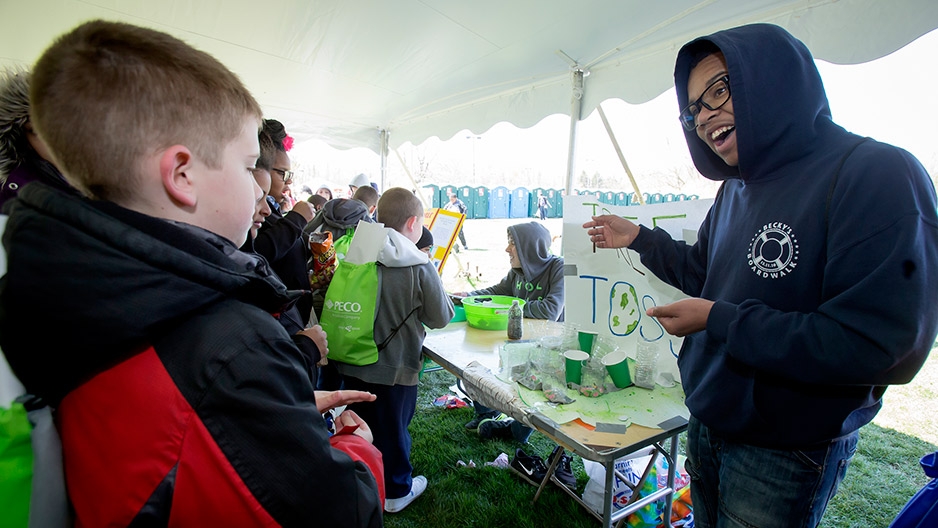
563	471
478	418
495	428
530	468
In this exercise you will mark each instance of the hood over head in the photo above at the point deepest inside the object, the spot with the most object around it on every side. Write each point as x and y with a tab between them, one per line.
360	181
780	106
532	241
339	215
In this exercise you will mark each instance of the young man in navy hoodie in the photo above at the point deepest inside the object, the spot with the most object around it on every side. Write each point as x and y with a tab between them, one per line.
812	283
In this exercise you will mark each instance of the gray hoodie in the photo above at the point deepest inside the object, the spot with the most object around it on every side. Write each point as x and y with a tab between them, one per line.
410	292
539	280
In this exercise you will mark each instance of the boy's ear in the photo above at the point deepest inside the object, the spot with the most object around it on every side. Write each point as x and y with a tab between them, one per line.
176	162
412	224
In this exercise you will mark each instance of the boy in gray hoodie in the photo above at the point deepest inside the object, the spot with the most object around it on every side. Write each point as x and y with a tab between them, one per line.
537	277
410	295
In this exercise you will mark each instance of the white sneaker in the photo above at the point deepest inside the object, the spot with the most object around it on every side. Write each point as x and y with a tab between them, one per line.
417	487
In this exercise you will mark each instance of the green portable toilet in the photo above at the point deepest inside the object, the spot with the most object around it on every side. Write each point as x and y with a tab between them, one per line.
480	195
556	204
532	201
553	199
444	194
467	196
498	202
433	192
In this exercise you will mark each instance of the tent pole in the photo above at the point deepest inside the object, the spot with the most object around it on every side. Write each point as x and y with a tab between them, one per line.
384	159
615	145
575	108
423	199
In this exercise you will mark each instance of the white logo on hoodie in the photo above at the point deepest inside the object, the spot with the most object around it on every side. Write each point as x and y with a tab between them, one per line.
773	251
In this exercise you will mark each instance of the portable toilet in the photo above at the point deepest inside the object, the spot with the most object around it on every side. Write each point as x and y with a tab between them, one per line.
553	198
608	197
556	206
670	198
622	198
656	198
518	207
467	196
680	197
433	192
693	197
532	201
499	198
480	195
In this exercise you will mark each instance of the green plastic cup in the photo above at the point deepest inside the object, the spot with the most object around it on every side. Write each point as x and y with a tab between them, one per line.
617	365
586	340
573	363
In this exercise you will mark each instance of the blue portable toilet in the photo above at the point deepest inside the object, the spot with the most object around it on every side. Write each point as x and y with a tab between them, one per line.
555	199
656	198
670	198
480	195
622	198
434	192
467	196
680	197
608	197
499	198
518	207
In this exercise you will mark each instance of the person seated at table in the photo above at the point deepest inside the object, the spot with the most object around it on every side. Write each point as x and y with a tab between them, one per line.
410	296
537	277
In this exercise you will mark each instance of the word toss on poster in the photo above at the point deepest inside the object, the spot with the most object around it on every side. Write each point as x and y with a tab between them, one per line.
608	291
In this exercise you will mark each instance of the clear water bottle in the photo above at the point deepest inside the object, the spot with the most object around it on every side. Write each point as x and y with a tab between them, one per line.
646	364
515	321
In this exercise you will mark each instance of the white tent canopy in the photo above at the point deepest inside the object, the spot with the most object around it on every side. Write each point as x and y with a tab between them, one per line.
345	70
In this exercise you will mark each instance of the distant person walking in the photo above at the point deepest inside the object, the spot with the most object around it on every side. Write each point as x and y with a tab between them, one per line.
542	205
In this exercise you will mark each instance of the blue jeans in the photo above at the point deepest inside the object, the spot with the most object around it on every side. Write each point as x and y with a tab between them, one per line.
738	485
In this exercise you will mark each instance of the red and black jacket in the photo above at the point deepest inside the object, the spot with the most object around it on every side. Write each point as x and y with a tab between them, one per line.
180	399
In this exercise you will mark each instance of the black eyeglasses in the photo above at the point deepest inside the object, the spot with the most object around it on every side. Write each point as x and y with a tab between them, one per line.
286	175
715	96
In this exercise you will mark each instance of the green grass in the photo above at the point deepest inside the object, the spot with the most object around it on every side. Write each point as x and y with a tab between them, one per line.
883	476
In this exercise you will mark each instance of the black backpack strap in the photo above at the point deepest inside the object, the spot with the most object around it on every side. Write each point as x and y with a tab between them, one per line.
382	345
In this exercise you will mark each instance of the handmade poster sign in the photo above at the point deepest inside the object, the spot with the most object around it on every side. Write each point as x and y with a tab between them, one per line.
608	291
444	226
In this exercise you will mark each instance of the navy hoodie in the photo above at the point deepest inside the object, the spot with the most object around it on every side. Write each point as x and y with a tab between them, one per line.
822	261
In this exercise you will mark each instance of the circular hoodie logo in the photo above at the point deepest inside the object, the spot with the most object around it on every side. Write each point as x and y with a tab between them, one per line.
773	252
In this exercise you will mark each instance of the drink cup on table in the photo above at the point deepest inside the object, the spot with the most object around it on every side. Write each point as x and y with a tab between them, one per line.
585	340
617	365
574	360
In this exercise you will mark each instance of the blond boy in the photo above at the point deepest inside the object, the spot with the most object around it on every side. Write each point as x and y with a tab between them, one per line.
180	399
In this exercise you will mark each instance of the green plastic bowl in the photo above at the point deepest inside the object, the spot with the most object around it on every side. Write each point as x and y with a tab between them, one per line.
459	314
489	312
